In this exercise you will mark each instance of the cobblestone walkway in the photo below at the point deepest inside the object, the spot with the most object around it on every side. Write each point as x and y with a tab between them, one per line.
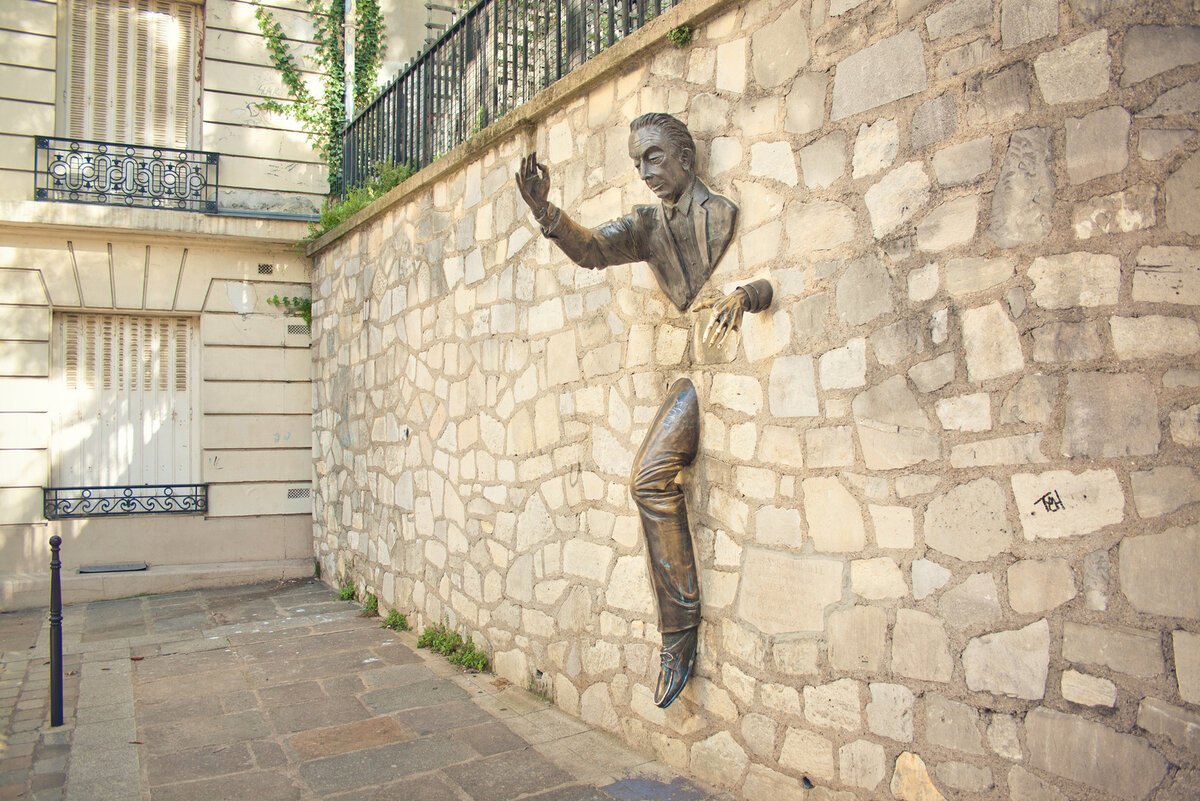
279	693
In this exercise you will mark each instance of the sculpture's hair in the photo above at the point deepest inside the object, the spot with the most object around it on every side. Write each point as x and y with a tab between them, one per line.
675	131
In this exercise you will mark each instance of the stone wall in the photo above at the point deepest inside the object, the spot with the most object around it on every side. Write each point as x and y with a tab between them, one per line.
946	501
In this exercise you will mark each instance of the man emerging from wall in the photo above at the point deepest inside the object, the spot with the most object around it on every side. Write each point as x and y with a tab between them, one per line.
682	238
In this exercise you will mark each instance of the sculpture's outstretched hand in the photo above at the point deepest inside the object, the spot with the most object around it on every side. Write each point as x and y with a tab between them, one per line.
726	317
533	180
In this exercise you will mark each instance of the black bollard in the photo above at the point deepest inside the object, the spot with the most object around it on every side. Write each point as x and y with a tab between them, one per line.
56	665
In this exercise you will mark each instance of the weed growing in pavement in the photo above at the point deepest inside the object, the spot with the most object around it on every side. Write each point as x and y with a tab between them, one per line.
346	592
371	607
449	644
395	621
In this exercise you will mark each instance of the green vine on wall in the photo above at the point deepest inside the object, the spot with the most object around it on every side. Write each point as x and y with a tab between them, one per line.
294	307
323	118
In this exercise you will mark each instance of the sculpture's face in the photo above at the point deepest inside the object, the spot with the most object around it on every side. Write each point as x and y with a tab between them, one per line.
665	170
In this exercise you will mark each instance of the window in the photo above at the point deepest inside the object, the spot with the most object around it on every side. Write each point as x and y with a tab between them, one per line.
124	387
131	71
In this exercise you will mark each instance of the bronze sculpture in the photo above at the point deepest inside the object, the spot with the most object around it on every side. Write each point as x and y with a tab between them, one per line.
682	238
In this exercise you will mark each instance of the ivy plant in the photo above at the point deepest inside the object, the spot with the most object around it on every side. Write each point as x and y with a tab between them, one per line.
323	116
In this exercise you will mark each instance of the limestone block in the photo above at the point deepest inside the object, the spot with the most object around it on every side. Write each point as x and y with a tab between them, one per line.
835	521
896	342
792	387
758	732
897	197
1183	99
1093	754
738	392
1119	213
807	753
1060	503
1030	401
1024	194
1158	572
1024	21
781	445
835	705
890	711
780	48
818	225
928	577
824	161
1019	449
725	155
966	57
1013	663
888	70
1075	279
1183	197
763	782
1158	143
965	777
708	114
973	604
804	107
1002	736
864	291
775	526
875	147
1039	585
861	764
934	374
1179	725
916	484
845	367
894	526
964	163
1080	688
991	342
1125	650
1187	664
990	99
1096	568
966	412
893	431
877	579
719	759
1110	415
829	447
1153	49
958	17
923	282
810	584
969	522
1097	144
587	560
1154	335
911	782
1024	786
1162	490
1079	71
629	585
1185	426
796	657
731	66
1168	275
774	160
949	225
934	120
857	638
920	647
952	725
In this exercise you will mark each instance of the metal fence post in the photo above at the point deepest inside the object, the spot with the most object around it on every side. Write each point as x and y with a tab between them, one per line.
56	656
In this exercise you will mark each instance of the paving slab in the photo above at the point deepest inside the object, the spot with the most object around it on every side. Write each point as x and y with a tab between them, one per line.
280	692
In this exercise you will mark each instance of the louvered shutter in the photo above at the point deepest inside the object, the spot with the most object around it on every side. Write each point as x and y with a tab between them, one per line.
125	392
132	71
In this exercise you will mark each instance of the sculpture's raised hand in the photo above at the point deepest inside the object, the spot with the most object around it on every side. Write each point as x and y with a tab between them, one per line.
533	180
726	317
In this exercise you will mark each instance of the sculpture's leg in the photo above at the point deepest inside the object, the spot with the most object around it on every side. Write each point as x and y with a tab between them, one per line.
669	446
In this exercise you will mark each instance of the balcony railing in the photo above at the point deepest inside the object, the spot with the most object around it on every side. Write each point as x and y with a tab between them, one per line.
493	58
64	502
112	174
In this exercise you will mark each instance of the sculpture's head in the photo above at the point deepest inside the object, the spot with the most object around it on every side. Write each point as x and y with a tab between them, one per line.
663	152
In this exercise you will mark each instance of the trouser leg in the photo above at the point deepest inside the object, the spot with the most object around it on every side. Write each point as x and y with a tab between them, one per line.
670	445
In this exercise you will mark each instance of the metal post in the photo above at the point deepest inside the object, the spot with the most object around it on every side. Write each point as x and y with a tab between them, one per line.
56	659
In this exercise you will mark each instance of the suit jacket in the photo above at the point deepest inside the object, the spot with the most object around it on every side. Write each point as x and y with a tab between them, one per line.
645	236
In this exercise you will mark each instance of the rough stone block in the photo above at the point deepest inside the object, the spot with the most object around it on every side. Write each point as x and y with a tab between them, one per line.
1153	335
928	577
1162	490
890	712
896	198
719	759
835	705
860	84
1080	688
1153	49
911	782
877	579
966	57
1158	572
775	526
1024	21
857	638
950	724
774	160
920	647
973	604
1185	426
861	764
1024	786
824	161
1003	736
1093	754
1125	650
1179	725
1155	144
949	225
1110	416
991	342
807	753
1066	342
804	107
963	164
875	147
934	120
811	585
958	17
792	387
835	521
990	99
1012	663
1079	71
829	447
893	431
731	66
1075	279
1030	401
893	526
818	225
1187	664
780	48
1183	197
1060	503
966	412
1097	144
896	342
964	777
934	374
1024	194
1121	212
864	291
763	782
1183	99
845	367
1039	585
969	275
970	522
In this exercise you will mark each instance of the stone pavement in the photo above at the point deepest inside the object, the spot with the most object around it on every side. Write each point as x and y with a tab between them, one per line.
278	692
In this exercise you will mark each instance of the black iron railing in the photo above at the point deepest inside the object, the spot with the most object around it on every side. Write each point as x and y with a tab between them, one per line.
113	174
493	58
185	499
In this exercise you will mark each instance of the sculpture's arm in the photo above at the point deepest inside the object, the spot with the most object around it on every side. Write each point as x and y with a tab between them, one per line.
727	312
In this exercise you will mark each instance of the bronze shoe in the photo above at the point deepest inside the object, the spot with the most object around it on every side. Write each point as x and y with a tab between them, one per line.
678	654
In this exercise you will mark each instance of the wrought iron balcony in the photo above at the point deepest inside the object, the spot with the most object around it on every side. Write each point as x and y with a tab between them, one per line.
179	499
112	174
